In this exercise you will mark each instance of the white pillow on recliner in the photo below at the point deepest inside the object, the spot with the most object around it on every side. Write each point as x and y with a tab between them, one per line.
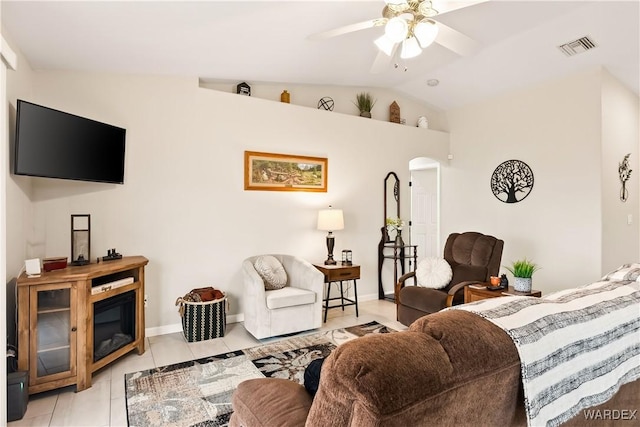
433	273
271	271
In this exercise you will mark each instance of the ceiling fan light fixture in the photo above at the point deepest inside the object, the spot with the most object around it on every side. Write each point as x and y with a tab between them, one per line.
397	5
426	32
396	29
410	48
426	9
385	44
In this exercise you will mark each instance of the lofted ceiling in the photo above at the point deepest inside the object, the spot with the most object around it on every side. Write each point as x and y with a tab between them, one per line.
268	42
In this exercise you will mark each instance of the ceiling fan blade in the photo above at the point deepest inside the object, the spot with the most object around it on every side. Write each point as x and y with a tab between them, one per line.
449	6
455	40
347	29
382	61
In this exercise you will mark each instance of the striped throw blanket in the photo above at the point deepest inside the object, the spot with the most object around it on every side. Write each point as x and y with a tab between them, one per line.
576	346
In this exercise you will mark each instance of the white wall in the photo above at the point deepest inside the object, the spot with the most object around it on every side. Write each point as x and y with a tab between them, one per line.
183	204
7	62
17	211
343	97
556	128
620	130
19	216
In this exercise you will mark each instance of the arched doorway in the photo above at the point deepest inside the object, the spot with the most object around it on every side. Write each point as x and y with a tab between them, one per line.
425	206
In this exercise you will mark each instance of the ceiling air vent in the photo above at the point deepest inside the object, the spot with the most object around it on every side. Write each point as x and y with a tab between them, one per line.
583	44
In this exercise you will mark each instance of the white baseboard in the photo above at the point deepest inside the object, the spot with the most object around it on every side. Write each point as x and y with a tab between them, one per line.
177	327
369	297
233	318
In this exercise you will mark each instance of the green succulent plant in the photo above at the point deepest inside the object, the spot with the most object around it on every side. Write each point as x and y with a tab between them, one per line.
523	268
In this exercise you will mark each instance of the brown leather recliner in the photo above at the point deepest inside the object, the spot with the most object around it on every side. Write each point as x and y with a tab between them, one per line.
473	257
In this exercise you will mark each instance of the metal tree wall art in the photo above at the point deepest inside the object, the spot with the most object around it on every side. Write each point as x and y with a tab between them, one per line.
512	181
625	174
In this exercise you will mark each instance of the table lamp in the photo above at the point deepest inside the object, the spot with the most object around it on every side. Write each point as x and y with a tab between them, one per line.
330	220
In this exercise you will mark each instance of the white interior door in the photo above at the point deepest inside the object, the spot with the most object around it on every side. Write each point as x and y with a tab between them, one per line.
425	212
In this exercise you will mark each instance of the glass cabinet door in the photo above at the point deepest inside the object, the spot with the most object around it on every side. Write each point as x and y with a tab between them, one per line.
54	338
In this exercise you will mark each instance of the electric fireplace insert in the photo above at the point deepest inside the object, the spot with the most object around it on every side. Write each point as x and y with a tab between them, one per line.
114	324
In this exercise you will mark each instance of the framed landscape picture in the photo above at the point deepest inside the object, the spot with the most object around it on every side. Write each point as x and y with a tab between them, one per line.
284	172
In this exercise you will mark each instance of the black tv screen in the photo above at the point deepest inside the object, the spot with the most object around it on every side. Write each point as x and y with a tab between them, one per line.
54	144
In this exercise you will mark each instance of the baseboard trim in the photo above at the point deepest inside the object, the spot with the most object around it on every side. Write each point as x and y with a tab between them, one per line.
232	318
369	297
177	327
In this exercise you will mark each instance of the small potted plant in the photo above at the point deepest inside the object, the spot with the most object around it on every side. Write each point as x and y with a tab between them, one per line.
396	224
522	271
365	104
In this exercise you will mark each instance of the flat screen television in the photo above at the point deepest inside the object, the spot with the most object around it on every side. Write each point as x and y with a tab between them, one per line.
54	144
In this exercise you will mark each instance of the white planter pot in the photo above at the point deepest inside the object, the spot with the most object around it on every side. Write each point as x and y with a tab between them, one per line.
522	284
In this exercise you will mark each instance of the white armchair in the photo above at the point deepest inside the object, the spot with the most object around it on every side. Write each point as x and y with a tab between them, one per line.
294	308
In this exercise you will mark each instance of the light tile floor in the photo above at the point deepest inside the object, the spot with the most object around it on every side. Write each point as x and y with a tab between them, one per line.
104	403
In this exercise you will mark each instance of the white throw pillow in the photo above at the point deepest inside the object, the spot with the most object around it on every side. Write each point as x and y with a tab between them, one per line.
433	273
271	271
624	272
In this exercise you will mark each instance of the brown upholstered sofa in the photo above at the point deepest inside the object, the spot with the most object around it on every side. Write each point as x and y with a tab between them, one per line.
449	369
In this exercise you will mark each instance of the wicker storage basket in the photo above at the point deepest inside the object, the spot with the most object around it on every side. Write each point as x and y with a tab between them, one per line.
203	320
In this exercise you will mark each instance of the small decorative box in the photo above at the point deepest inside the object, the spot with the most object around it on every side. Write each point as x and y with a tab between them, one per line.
49	264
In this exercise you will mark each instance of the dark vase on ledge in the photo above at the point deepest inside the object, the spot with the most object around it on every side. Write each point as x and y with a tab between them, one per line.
399	241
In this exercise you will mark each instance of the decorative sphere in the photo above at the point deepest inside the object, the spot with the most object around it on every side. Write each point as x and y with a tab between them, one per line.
326	103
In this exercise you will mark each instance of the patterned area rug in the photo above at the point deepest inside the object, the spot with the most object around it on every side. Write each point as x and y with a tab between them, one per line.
198	393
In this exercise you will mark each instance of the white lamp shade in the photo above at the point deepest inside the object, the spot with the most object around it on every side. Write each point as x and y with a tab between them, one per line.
426	32
385	44
410	48
330	220
396	29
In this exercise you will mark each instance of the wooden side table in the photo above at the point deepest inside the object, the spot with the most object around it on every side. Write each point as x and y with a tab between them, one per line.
338	274
479	292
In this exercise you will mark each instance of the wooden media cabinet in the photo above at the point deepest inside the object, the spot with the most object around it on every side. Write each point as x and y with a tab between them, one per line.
56	320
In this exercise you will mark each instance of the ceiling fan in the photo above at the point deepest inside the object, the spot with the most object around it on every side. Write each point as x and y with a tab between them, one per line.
410	26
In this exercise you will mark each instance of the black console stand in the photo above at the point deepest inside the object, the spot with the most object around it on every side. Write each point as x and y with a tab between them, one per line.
112	255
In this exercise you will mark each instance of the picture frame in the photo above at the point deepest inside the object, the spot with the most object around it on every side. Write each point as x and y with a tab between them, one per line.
284	172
